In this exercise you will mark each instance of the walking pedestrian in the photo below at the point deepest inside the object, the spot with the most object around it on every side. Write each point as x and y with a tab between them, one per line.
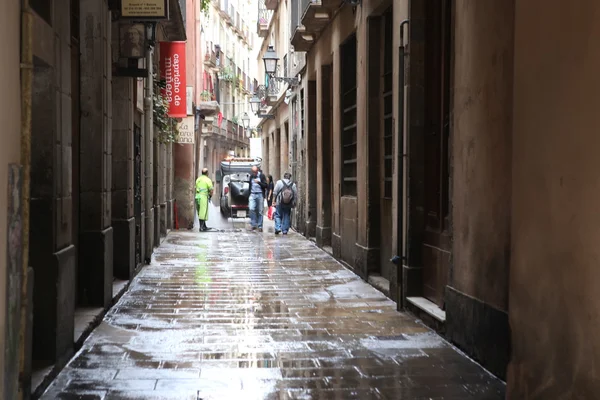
285	195
270	188
204	191
256	203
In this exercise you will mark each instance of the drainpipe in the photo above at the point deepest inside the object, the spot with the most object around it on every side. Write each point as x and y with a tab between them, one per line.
26	94
406	142
403	167
149	142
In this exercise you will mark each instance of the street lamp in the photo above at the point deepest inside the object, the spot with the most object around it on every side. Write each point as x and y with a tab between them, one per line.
255	104
246	121
270	59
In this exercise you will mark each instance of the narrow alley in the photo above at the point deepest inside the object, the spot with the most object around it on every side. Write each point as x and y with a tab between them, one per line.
233	314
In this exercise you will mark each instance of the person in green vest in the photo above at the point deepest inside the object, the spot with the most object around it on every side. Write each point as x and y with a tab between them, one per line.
204	191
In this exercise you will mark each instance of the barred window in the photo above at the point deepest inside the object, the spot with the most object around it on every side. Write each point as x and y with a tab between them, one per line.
348	117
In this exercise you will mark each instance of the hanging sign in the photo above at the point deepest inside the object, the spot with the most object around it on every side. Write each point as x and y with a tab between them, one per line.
186	131
139	95
145	10
172	71
190	100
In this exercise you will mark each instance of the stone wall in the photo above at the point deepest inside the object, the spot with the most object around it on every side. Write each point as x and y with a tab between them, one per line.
477	294
554	307
10	112
351	224
96	235
51	252
123	219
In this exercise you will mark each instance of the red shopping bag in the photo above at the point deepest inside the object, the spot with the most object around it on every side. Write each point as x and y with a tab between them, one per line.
270	213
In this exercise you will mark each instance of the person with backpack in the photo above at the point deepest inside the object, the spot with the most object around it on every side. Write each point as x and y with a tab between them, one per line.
285	197
258	185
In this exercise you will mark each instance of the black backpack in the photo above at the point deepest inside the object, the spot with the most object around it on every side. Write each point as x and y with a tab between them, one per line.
287	195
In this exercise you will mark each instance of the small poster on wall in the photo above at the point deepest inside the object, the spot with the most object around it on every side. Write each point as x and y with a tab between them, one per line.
190	100
186	131
145	10
132	43
140	94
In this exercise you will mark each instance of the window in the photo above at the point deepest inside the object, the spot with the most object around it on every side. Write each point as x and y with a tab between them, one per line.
74	19
43	8
348	116
388	90
302	113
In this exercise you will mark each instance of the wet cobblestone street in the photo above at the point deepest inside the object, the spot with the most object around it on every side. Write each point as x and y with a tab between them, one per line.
241	315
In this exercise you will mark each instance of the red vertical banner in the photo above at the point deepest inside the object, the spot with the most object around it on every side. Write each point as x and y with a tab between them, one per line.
172	70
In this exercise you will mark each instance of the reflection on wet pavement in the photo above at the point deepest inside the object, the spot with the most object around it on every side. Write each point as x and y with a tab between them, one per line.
239	315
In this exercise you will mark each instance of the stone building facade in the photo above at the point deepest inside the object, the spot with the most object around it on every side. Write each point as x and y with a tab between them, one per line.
492	210
276	133
11	185
100	179
228	76
340	144
441	158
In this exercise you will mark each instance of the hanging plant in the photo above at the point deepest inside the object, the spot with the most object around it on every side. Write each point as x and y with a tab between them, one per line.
206	95
166	127
226	74
205	6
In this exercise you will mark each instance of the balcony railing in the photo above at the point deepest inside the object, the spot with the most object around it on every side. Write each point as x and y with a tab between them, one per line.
314	17
215	127
228	14
230	130
271	4
295	16
208	95
304	5
224	7
210	58
264	19
273	87
221	131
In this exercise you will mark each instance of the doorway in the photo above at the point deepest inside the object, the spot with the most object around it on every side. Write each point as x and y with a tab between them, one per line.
349	148
311	159
385	150
75	143
326	181
436	244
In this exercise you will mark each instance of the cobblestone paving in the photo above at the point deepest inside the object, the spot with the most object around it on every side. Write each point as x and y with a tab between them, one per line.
239	315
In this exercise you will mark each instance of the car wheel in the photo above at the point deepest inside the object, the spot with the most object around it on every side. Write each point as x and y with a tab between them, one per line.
225	213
